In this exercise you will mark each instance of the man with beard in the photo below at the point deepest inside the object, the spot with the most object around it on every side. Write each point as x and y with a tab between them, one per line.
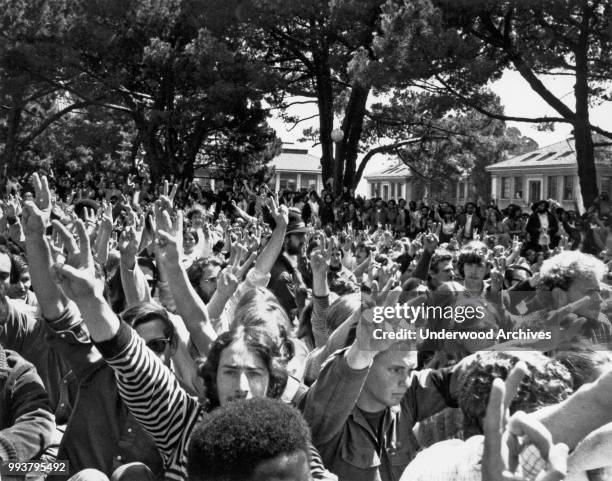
542	227
286	277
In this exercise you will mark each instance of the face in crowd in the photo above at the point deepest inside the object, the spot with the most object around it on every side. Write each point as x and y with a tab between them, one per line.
208	281
294	243
389	378
443	272
241	374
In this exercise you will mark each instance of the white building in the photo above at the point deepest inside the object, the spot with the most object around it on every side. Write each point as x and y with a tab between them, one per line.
296	169
391	182
550	172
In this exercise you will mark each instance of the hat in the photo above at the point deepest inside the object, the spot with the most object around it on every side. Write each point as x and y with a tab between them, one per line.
296	224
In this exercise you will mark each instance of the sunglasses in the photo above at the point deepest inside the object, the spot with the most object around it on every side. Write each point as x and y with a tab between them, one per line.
158	346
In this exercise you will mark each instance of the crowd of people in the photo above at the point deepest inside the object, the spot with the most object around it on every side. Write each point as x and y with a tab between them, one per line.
173	332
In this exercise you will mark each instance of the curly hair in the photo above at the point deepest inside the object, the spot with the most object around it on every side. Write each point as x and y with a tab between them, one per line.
548	382
231	442
255	339
561	270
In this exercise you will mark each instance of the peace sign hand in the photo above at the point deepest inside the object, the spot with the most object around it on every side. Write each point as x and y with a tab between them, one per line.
77	276
506	438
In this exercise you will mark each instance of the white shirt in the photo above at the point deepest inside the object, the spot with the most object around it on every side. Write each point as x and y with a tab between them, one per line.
468	224
543	220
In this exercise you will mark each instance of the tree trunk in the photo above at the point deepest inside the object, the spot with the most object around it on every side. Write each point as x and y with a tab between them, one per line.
352	126
583	140
325	101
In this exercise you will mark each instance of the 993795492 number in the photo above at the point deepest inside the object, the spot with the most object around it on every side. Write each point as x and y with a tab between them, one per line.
48	467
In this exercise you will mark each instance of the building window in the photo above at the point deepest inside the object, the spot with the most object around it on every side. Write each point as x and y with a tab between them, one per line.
552	187
372	189
505	187
392	190
461	190
308	181
568	187
606	185
518	187
287	182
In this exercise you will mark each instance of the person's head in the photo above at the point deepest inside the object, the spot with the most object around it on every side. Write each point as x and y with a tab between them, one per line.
20	280
336	258
190	239
5	269
412	205
472	265
572	275
441	268
389	378
363	251
260	307
470	208
203	275
542	207
547	382
152	323
253	440
243	363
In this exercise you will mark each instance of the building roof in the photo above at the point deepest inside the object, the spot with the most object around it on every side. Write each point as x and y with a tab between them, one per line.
559	154
296	160
397	170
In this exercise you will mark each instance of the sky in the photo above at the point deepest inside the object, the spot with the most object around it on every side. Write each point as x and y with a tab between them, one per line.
516	96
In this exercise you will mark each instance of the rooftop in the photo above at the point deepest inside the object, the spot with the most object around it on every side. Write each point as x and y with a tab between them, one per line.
396	170
294	159
559	154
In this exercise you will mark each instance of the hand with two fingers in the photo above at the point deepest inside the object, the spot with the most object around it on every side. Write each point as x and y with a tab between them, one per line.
505	436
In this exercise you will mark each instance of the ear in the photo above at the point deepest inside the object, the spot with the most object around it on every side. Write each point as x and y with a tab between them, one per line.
559	297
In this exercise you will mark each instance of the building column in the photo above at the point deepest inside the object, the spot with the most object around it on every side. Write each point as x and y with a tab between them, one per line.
277	182
495	194
298	182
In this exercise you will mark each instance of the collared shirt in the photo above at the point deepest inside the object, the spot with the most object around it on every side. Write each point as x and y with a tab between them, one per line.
348	445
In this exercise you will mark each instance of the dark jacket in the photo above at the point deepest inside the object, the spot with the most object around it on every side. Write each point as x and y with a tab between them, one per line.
26	420
348	445
533	229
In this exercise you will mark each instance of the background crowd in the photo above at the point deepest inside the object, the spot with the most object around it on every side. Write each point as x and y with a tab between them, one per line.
175	332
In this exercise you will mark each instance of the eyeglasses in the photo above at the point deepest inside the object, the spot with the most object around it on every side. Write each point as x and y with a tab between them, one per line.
158	346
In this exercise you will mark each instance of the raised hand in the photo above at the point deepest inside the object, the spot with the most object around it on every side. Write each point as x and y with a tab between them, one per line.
430	242
42	194
34	220
499	462
167	247
77	276
169	196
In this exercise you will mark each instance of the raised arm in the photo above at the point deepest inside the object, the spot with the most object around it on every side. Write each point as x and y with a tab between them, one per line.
51	299
146	385
188	303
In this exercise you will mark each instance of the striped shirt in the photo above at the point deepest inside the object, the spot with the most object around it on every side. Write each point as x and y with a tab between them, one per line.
161	406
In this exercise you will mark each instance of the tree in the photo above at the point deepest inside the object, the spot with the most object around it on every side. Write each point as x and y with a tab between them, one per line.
191	97
537	38
445	142
328	53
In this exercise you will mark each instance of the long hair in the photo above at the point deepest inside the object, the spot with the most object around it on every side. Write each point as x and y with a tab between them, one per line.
259	307
255	339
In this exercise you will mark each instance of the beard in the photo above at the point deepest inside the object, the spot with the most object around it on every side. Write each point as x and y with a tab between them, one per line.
294	250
